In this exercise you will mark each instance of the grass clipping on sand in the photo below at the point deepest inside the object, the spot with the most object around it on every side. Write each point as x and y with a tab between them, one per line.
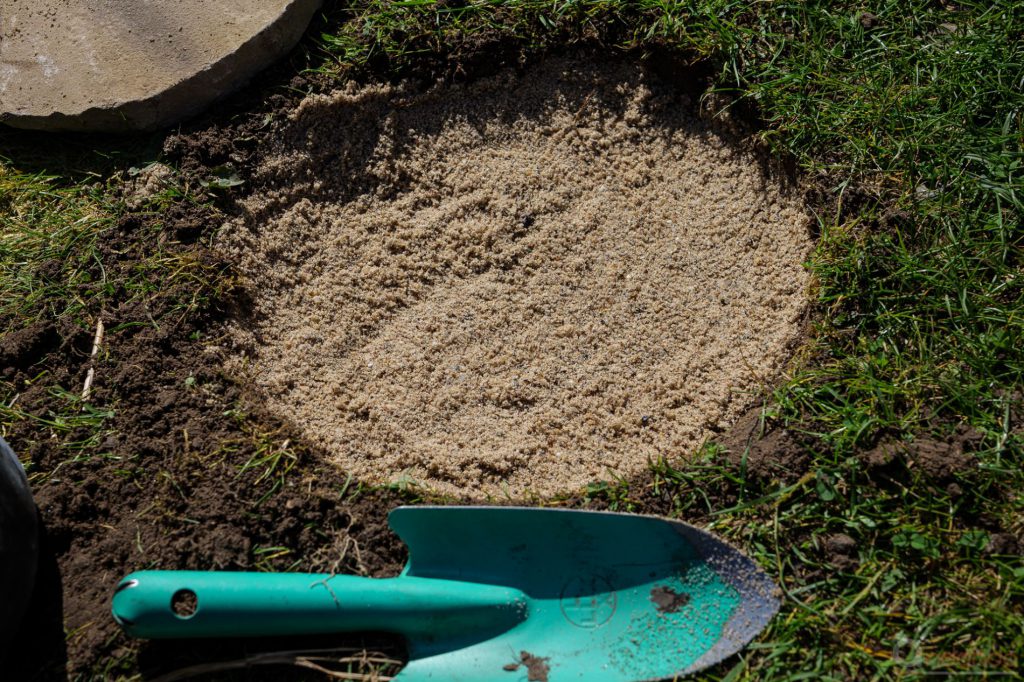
517	286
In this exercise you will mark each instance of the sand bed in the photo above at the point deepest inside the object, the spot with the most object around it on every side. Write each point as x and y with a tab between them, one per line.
514	287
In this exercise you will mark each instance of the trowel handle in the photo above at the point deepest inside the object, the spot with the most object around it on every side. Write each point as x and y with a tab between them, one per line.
169	604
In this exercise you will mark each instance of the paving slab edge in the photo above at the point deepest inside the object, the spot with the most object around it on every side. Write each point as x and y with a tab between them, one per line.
190	96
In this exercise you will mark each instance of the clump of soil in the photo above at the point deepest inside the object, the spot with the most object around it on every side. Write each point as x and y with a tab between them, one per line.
668	600
940	459
516	286
763	450
841	551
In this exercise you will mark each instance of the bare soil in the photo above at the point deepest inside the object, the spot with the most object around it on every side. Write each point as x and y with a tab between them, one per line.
168	489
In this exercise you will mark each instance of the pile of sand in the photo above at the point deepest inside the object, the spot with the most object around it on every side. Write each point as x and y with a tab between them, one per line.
517	286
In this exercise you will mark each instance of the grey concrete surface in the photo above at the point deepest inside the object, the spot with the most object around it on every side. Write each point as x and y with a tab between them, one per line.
116	65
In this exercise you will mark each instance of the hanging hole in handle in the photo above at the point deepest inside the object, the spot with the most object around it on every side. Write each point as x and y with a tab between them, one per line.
184	603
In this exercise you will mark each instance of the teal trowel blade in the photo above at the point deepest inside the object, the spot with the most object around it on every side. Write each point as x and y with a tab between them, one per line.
610	596
502	594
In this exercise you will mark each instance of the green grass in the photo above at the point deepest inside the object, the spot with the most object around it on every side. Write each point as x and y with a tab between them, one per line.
57	267
913	109
50	268
42	221
909	117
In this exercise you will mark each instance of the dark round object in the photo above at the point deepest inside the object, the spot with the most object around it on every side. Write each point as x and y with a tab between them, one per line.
19	543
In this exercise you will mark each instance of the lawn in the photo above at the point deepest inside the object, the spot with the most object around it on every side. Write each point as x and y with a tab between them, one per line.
896	529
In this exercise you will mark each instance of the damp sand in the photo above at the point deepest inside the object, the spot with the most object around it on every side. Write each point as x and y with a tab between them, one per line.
514	287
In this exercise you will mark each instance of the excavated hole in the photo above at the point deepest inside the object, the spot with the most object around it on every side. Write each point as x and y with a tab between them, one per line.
518	286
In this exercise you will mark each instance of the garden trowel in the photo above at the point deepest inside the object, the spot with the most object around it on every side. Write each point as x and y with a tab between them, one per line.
498	594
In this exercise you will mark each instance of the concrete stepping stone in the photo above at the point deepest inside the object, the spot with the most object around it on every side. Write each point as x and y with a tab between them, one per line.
117	65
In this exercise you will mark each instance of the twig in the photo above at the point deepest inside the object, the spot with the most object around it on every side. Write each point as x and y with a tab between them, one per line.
97	341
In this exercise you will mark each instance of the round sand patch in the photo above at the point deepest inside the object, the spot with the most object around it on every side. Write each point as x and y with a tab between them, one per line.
514	287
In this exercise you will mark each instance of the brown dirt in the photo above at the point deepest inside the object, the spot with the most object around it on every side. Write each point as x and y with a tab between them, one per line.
763	451
668	600
25	347
939	459
165	488
841	552
537	668
517	286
